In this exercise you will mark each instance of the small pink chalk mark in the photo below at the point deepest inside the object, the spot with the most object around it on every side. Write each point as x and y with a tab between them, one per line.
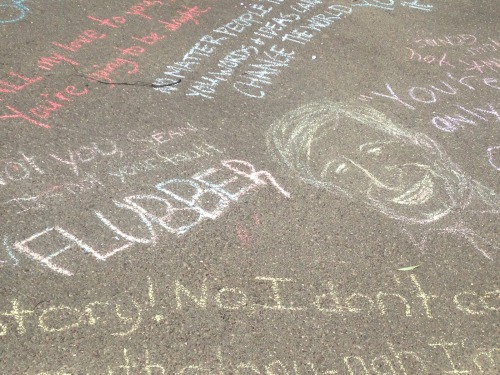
243	235
257	219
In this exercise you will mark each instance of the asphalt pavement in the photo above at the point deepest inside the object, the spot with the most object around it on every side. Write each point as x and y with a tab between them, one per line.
276	187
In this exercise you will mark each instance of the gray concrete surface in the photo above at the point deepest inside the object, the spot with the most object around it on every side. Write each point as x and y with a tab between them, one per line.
277	187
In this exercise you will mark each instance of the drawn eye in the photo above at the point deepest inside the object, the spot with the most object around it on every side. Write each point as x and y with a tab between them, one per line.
374	151
373	148
341	168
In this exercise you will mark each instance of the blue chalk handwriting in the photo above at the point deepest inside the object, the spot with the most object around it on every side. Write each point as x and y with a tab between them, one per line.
13	12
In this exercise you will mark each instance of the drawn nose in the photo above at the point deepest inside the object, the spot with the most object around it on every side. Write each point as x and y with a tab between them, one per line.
372	177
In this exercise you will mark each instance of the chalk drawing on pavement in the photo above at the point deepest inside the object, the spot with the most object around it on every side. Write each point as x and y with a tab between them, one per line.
8	250
176	208
13	12
494	157
360	153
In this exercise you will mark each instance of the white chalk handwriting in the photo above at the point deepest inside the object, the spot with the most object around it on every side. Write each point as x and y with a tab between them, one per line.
275	30
177	206
390	358
433	93
408	298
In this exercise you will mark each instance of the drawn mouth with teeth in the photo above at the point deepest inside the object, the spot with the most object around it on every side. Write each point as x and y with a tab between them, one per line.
419	193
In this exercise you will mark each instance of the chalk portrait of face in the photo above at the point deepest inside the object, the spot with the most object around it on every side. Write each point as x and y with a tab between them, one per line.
360	153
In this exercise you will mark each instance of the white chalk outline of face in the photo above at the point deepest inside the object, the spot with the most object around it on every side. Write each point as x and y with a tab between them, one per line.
343	166
377	151
290	138
419	192
416	194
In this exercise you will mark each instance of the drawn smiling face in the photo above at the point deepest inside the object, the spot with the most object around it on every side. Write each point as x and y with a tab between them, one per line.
387	171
